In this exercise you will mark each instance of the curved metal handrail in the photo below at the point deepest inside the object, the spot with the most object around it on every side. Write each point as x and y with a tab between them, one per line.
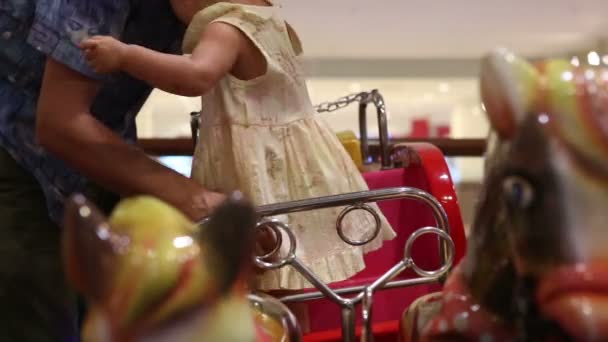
278	311
375	98
354	199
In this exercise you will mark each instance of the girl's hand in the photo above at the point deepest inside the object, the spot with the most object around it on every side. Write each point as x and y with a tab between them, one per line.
104	54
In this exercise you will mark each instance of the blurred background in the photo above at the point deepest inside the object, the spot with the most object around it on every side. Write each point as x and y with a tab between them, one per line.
422	56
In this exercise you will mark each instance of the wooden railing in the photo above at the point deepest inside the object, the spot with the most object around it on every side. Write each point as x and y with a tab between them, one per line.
449	147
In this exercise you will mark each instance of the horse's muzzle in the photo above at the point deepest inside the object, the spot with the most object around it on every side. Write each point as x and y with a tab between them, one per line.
576	297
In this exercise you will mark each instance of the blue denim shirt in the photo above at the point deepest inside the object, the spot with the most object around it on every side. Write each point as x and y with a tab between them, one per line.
31	30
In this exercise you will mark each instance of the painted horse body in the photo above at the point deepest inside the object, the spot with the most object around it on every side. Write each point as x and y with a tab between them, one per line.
151	275
537	267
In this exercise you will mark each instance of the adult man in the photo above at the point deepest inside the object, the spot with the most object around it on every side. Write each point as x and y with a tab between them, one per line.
60	123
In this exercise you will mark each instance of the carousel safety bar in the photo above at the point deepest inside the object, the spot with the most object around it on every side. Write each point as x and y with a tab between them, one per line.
358	198
355	199
304	297
365	295
378	101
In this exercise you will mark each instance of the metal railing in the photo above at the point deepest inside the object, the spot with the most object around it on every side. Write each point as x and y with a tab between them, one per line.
276	310
364	296
377	100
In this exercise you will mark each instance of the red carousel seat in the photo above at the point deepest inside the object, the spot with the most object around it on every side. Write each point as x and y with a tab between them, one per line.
406	216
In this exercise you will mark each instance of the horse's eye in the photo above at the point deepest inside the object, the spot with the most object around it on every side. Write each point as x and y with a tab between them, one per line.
518	192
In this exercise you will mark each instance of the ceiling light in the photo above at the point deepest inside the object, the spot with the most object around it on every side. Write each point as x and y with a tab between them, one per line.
593	58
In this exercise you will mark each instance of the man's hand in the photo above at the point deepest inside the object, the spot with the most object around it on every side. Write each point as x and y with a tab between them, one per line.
104	54
204	203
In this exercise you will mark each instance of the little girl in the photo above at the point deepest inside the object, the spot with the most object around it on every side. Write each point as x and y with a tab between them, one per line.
259	132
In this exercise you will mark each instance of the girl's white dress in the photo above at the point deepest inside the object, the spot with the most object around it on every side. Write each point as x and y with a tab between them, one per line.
264	138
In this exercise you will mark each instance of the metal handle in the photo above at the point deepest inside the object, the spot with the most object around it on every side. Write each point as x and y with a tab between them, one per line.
272	226
276	227
378	101
340	227
290	258
450	252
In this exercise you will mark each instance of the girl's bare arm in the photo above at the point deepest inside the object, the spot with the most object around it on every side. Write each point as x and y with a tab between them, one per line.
193	75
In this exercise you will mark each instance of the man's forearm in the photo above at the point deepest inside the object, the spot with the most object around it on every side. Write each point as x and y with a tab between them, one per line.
102	156
66	128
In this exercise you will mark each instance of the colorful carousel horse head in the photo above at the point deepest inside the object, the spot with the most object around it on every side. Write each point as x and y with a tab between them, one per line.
537	266
149	274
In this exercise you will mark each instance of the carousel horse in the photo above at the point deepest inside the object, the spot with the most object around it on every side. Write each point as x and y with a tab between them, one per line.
536	267
149	274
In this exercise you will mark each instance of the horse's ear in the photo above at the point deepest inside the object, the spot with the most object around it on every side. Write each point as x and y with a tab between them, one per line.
229	237
296	43
494	154
89	251
509	87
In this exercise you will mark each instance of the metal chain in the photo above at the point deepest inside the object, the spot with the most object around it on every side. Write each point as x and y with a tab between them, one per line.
342	102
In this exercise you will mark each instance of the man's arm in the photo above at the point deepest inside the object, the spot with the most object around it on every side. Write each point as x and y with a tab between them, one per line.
67	129
191	75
